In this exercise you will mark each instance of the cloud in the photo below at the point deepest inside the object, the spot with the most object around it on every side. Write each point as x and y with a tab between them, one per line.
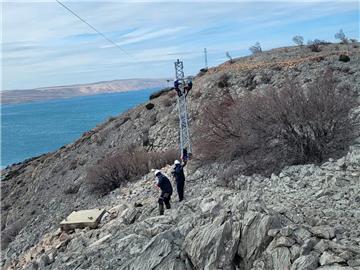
43	44
141	35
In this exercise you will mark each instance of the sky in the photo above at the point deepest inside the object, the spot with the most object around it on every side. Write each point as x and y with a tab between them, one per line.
43	44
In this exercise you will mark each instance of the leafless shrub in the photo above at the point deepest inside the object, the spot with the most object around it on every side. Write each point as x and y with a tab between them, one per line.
229	57
113	171
314	45
256	48
167	101
223	80
341	36
298	40
267	131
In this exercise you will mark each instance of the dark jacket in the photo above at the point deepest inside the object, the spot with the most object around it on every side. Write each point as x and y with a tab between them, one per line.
178	172
164	184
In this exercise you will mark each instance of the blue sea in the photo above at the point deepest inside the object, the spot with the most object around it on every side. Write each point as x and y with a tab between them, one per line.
31	129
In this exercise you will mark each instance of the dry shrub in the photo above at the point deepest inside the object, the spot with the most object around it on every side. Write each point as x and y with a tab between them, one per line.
8	235
223	80
264	132
114	171
197	94
167	101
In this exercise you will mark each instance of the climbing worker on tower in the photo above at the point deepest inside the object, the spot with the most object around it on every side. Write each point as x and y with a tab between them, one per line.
178	173
166	191
176	86
187	87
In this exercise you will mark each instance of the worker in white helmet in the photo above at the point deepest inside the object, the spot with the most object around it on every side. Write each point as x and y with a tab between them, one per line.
178	173
166	191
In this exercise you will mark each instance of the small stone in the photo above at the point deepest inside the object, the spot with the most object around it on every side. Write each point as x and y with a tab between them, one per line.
308	262
326	232
286	231
301	234
308	246
44	261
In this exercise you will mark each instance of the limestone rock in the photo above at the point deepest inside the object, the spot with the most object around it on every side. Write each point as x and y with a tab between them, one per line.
328	258
307	262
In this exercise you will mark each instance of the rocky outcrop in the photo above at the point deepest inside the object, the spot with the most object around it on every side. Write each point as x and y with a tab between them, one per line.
218	227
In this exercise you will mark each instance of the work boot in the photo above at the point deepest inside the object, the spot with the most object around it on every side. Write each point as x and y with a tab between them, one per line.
161	209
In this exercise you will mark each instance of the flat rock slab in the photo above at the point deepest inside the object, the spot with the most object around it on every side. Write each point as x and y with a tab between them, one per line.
81	219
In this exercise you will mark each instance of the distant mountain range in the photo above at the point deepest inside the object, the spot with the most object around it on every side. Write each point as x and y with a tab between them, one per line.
67	91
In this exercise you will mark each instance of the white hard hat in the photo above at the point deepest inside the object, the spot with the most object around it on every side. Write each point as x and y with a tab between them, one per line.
157	172
176	162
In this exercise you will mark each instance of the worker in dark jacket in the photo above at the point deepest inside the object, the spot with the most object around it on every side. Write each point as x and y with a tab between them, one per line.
176	86
166	191
178	173
188	86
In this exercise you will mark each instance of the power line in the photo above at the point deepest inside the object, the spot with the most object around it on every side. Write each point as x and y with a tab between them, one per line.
93	28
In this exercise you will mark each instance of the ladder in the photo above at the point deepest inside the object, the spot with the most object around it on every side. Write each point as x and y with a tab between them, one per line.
185	145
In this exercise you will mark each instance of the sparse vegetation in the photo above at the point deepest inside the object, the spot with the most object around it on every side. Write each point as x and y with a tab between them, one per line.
114	171
298	40
256	48
10	232
264	132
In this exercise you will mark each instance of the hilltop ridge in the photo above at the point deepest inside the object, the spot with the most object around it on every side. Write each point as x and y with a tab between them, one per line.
68	91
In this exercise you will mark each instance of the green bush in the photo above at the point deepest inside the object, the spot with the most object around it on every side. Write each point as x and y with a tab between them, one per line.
344	58
150	106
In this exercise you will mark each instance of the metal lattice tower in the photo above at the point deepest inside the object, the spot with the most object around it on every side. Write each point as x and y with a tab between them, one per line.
183	123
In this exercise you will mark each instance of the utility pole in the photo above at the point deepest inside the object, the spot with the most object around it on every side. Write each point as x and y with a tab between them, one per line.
206	60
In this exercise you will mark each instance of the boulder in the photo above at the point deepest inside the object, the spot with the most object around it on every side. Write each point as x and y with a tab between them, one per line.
213	246
307	262
254	236
281	258
328	258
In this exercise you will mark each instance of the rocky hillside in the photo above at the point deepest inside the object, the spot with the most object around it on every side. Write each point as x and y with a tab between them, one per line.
303	218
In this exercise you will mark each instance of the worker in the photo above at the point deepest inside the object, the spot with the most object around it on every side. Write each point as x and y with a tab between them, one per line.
184	156
178	173
187	87
166	191
176	86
